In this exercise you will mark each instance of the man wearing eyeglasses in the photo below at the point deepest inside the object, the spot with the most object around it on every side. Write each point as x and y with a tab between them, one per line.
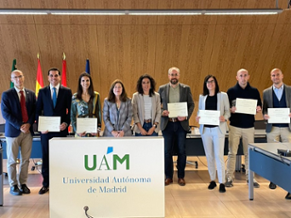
53	100
18	109
241	125
175	127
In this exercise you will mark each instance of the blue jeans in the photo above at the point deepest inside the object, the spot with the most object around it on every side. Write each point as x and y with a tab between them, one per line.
173	131
147	127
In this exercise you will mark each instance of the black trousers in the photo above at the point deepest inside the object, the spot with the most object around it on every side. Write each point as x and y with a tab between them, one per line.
45	155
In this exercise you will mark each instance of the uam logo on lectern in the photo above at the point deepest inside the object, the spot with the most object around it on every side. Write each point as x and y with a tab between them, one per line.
94	162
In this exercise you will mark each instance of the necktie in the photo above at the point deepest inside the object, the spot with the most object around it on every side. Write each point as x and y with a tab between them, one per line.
54	96
23	108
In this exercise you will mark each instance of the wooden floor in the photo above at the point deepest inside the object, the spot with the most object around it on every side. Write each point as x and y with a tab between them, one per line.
192	200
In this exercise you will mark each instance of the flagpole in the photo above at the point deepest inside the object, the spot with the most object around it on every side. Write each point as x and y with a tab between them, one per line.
39	78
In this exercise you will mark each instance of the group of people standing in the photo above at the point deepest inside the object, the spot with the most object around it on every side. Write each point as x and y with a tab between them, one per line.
241	126
149	110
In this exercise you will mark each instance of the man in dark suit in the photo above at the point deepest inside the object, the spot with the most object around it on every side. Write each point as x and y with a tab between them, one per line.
53	100
18	109
277	96
177	127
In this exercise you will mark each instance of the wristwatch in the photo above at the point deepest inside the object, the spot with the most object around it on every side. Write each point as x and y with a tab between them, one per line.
155	125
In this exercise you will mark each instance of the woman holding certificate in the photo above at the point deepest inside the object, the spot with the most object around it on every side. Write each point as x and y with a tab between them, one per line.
146	105
212	115
117	111
85	104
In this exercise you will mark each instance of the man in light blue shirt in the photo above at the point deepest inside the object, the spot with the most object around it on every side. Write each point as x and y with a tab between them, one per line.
277	96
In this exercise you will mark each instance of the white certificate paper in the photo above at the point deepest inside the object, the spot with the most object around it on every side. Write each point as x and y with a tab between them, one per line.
178	109
209	117
88	125
279	115
51	124
246	106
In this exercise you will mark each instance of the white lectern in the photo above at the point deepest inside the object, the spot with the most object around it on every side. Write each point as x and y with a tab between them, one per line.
114	177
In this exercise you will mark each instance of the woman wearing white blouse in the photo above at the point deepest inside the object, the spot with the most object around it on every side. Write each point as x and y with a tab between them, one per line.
146	107
213	136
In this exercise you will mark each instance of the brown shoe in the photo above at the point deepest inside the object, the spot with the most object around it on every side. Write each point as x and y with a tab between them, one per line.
168	181
181	182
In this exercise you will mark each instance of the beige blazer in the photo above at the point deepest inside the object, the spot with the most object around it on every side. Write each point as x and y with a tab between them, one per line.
138	110
223	107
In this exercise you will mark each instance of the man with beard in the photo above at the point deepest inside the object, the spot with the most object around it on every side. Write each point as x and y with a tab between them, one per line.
277	96
176	127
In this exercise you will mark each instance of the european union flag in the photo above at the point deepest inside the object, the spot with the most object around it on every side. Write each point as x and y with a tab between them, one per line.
87	66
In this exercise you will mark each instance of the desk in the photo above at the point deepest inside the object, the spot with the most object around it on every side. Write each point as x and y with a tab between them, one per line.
264	160
36	151
194	145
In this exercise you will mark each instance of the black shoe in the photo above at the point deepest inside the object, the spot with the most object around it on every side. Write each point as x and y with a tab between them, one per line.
43	190
212	185
222	188
288	196
24	189
272	185
14	190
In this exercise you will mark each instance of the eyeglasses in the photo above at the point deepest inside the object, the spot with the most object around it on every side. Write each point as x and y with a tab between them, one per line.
211	81
18	77
173	74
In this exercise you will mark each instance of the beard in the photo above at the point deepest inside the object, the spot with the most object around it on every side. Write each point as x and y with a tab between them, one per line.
174	81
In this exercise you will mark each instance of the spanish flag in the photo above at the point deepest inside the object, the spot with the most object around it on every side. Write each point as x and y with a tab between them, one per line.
39	78
64	71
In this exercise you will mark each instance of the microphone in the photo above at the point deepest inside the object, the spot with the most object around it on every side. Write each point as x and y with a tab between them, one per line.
86	208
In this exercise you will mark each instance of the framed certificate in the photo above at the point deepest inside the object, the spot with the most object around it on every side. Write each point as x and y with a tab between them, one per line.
49	123
209	117
279	115
88	125
246	106
178	109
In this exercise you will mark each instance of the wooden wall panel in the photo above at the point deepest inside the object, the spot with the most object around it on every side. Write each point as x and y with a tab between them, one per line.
125	47
126	52
20	42
77	41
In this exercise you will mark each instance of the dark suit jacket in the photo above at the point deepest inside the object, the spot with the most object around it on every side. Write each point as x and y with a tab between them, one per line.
268	102
44	106
185	96
11	111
